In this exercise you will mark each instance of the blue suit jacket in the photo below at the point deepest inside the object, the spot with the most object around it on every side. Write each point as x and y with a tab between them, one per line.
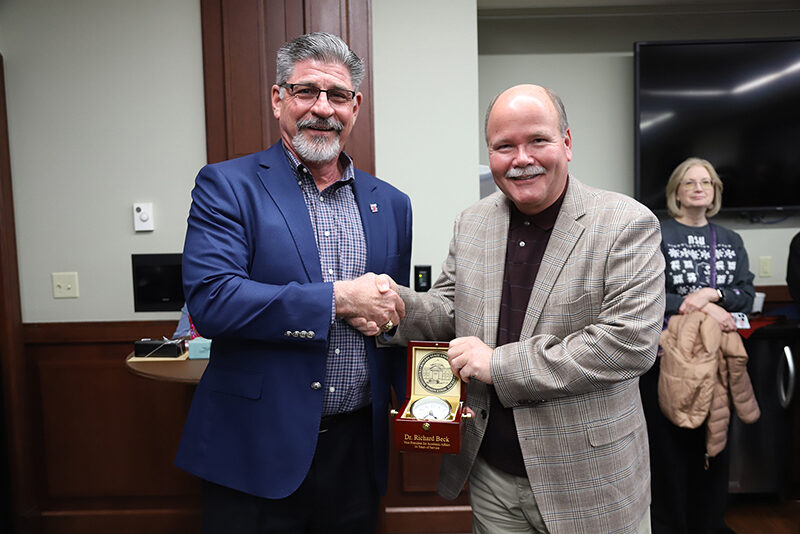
251	273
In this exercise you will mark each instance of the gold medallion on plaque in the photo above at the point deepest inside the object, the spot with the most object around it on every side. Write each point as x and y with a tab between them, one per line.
434	373
430	419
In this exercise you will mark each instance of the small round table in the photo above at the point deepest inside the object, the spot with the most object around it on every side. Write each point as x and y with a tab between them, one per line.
182	371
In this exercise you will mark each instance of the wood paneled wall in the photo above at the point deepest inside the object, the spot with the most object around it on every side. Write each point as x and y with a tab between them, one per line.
105	439
240	41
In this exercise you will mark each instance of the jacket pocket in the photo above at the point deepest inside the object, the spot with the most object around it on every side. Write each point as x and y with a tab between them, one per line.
233	382
568	312
610	430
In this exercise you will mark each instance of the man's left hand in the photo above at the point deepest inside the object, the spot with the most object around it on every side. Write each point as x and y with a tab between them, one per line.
470	358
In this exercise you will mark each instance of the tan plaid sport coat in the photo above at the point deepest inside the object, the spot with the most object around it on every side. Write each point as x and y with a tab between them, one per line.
591	329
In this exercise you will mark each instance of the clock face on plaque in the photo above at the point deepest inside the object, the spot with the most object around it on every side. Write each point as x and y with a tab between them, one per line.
434	374
430	408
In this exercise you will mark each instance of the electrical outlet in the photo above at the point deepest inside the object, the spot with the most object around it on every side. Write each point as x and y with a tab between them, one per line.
765	266
65	285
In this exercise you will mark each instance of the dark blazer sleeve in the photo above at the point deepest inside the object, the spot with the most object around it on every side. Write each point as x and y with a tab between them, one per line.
233	284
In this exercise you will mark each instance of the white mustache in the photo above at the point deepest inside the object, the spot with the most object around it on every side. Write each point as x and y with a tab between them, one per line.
320	124
530	170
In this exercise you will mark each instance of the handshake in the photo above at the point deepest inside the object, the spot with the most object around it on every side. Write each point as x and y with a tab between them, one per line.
369	303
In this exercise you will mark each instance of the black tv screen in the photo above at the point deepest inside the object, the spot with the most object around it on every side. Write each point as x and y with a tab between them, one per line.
734	103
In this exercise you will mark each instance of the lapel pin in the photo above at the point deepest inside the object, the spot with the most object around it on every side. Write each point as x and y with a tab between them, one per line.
373	208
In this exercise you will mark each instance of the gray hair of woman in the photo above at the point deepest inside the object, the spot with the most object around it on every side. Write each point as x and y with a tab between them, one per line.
319	46
676	178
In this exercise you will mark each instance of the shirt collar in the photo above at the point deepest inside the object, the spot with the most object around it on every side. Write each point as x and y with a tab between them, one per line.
345	161
545	219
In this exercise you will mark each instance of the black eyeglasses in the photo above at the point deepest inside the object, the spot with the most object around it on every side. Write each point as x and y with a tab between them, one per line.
309	94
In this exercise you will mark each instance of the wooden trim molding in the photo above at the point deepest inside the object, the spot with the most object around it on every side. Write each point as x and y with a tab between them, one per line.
14	383
213	80
776	294
95	332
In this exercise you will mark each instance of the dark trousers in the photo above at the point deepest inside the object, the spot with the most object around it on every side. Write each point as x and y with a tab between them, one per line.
337	496
687	498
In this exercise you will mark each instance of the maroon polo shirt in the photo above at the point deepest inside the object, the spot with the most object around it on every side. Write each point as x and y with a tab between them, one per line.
527	240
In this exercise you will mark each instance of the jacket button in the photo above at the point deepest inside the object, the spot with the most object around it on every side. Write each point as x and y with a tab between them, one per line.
316	385
296	334
310	334
483	414
288	333
303	333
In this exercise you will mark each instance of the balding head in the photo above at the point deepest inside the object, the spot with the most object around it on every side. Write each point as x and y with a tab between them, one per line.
530	89
529	146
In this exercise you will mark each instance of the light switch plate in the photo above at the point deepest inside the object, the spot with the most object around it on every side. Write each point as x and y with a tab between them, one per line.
143	217
65	285
765	266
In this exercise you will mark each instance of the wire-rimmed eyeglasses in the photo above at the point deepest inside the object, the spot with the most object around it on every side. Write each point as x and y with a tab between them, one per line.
309	94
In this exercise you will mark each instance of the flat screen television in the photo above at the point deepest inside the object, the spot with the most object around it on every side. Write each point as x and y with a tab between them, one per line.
734	103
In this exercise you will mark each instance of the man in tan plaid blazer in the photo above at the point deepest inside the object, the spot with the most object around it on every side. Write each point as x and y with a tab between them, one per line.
566	375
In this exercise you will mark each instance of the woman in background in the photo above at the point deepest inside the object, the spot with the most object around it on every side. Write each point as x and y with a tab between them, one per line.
706	270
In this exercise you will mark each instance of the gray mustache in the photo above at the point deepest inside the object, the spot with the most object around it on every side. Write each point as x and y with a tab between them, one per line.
321	124
530	170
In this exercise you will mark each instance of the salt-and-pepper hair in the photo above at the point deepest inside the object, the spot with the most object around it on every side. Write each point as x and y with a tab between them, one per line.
563	124
320	46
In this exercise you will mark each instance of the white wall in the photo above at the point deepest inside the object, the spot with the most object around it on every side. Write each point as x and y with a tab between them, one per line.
425	71
105	108
588	61
105	105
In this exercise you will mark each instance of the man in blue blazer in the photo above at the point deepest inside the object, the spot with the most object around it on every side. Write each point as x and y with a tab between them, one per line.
288	426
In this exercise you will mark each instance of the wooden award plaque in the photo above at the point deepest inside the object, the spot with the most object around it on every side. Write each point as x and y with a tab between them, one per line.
430	419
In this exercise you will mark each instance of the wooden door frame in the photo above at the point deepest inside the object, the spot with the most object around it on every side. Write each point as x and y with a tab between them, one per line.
24	506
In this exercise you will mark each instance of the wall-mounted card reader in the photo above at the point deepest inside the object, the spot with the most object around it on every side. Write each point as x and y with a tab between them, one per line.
422	277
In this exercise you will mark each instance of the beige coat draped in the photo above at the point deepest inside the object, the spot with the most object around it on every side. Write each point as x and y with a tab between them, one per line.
701	369
591	329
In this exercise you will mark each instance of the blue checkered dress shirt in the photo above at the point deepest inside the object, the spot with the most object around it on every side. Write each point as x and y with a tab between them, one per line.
343	256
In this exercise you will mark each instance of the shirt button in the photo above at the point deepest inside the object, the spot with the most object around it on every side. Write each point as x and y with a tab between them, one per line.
330	271
527	223
299	183
327	233
332	389
321	198
316	385
522	243
336	351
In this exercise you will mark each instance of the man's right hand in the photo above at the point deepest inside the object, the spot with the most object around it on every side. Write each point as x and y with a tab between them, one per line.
369	302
